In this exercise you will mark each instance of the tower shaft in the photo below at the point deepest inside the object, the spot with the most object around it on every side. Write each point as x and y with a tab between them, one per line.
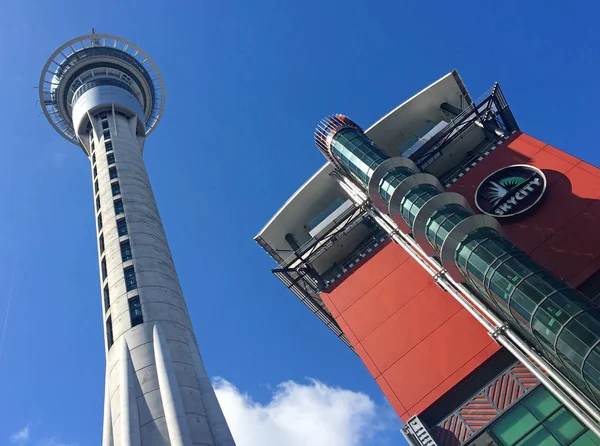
106	95
156	392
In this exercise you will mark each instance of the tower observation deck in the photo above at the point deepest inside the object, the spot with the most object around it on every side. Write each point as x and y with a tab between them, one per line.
106	95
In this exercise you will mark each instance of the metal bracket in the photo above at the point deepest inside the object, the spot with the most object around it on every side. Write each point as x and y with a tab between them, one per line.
499	331
440	277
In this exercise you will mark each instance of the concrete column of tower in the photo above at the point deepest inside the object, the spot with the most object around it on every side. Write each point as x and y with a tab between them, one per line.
543	309
107	99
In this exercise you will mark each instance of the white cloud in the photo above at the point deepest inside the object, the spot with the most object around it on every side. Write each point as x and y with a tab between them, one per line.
23	437
54	441
20	436
302	414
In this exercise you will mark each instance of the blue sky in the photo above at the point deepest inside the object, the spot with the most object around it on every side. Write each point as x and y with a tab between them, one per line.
246	86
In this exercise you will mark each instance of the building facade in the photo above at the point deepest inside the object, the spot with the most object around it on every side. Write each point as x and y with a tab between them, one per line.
457	257
105	95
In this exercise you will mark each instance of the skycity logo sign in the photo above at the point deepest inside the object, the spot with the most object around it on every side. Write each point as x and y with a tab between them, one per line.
511	191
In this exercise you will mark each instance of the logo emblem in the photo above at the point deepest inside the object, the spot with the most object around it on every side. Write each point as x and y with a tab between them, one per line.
511	190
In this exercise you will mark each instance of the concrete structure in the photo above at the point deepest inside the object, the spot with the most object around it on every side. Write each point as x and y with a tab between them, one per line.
104	94
480	328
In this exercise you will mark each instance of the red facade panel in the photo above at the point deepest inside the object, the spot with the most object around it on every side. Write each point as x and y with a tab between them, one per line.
439	362
391	307
415	339
560	231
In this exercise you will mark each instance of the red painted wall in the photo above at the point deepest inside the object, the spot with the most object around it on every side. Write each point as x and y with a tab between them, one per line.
562	232
415	339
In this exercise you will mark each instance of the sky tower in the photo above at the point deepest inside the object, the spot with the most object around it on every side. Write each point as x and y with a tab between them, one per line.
106	95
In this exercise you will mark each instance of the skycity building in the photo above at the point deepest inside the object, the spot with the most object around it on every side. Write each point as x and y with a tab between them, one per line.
105	95
460	259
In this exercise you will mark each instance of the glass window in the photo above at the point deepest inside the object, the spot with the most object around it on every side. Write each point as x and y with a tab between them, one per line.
414	200
106	134
99	221
118	206
390	181
541	403
104	125
109	332
563	426
125	250
121	227
93	147
116	188
110	158
95	172
578	336
539	437
135	311
526	298
591	369
108	146
106	298
130	280
357	153
96	187
513	425
98	203
112	172
587	439
499	284
550	315
93	158
101	243
539	419
454	214
103	267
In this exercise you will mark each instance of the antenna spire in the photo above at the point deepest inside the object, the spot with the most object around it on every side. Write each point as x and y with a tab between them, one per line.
93	40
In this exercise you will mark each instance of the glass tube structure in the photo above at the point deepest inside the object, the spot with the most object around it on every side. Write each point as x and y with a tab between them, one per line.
105	95
555	319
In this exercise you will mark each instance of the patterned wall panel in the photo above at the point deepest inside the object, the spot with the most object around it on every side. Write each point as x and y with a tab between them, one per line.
490	402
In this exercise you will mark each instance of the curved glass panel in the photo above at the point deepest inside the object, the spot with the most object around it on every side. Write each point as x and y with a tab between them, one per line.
442	222
391	180
357	153
591	370
414	199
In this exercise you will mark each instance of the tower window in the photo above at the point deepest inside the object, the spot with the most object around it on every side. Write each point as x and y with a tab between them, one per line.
104	125
96	187
108	146
93	147
116	189
122	227
103	267
118	206
110	158
125	250
93	158
106	298
109	333
106	134
112	173
135	311
103	115
98	203
101	243
130	280
95	172
99	221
